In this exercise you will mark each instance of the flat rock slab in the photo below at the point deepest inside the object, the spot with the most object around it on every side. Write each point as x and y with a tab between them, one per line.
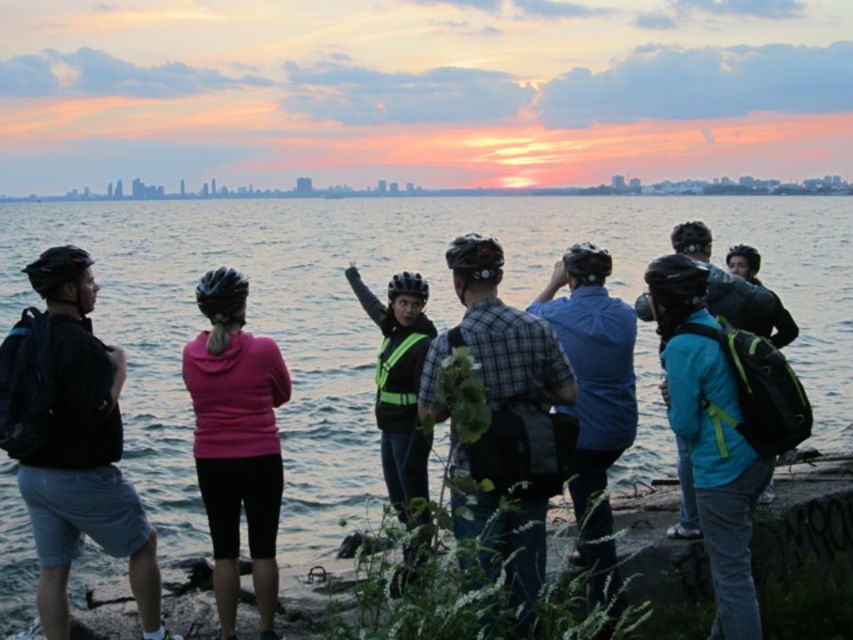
812	513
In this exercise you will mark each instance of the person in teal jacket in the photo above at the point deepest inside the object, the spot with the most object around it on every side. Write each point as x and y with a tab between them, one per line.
728	475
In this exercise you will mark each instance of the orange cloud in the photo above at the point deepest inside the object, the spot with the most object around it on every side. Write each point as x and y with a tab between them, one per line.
514	154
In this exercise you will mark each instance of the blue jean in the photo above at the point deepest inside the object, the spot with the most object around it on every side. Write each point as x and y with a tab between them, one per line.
689	514
521	529
726	516
405	474
589	469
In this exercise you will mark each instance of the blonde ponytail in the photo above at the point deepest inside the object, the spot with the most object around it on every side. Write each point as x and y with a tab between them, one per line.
218	340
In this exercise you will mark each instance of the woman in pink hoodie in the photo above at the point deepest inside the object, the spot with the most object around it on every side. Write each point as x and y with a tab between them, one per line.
236	380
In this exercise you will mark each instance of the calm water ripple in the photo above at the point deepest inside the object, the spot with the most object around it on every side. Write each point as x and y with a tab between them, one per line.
150	254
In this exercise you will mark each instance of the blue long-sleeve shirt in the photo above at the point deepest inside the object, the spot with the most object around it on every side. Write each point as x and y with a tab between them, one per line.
696	366
598	334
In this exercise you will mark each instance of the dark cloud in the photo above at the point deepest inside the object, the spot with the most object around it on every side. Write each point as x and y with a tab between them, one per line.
464	28
92	72
485	5
360	96
678	84
528	8
27	76
553	9
656	21
759	8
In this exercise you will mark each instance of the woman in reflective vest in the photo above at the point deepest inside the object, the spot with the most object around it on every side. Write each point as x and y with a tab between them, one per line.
407	335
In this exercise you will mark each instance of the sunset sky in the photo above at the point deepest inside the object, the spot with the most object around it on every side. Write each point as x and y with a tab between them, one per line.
457	93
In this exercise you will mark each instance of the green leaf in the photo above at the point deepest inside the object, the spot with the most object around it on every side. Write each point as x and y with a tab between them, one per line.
418	504
463	483
487	485
428	424
444	520
465	513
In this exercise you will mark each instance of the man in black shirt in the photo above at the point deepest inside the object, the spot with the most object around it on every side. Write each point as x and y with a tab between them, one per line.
71	487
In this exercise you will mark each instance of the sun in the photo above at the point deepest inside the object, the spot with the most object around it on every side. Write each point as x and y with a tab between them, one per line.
517	182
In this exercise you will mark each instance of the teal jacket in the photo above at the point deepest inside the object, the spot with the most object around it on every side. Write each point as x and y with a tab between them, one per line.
696	366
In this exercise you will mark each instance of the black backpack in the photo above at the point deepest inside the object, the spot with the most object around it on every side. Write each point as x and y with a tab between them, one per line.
27	393
525	449
777	413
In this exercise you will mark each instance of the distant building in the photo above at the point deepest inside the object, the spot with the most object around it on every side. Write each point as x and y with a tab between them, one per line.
618	183
213	190
394	187
119	192
746	181
635	184
382	186
410	187
304	185
110	190
183	188
204	190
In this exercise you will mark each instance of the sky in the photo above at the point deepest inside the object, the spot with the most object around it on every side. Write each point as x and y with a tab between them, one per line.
454	93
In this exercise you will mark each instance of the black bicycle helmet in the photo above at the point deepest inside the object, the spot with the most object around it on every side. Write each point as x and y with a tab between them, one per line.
410	284
750	253
477	256
221	294
678	278
588	262
57	266
691	237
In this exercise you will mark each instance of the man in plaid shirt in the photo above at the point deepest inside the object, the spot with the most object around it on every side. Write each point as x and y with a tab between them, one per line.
523	361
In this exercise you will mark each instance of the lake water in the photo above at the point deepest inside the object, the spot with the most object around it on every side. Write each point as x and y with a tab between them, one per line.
150	255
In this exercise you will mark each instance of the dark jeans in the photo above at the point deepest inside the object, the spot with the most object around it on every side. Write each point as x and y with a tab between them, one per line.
726	516
404	465
595	527
519	530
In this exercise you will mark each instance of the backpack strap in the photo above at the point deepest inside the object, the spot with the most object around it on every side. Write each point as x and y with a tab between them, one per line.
454	337
700	330
715	413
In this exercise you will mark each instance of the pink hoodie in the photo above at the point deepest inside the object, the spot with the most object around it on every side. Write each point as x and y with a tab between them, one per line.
234	396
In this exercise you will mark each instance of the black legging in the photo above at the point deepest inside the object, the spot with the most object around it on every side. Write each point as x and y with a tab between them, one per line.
257	483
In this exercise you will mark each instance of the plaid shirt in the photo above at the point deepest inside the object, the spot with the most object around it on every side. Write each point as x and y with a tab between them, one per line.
520	355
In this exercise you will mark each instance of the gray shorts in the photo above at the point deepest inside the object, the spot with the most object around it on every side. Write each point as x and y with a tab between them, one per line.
64	504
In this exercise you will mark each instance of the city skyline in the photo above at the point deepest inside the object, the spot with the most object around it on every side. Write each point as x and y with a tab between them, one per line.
440	93
304	187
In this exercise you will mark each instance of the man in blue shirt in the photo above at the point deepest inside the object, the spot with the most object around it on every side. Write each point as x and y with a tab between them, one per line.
598	335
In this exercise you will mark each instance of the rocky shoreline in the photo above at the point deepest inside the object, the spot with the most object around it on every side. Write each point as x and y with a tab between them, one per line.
812	514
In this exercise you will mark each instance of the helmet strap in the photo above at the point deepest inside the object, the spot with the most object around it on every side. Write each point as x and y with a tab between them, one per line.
461	293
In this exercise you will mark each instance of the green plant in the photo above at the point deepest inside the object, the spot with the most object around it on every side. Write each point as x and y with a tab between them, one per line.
429	595
806	601
809	601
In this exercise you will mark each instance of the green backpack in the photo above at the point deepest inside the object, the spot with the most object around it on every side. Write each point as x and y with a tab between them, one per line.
777	412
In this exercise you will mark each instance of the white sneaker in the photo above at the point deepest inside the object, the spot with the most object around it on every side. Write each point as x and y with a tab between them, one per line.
680	532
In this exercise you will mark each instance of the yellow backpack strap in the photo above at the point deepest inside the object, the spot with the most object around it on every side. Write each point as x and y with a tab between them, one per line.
718	416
